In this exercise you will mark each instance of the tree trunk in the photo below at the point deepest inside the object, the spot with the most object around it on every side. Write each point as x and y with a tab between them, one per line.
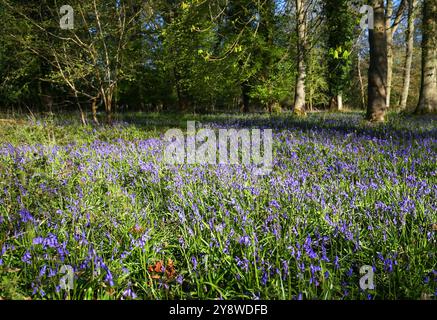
107	100
340	102
245	96
389	32
182	99
390	29
360	78
45	96
94	110
109	112
299	100
428	91
82	114
412	4
377	92
336	103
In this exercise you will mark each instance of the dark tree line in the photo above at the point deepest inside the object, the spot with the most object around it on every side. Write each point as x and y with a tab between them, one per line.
218	55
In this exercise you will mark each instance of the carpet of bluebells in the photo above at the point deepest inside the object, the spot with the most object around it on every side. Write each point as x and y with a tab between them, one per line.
343	194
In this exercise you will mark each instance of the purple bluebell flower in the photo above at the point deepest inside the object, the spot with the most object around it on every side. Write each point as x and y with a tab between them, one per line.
180	279
42	271
108	276
194	262
129	293
52	273
388	265
163	285
275	204
245	240
284	269
27	258
242	263
26	215
264	278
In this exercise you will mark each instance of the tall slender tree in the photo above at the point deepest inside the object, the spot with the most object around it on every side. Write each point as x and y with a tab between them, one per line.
406	78
428	91
377	88
393	17
301	27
